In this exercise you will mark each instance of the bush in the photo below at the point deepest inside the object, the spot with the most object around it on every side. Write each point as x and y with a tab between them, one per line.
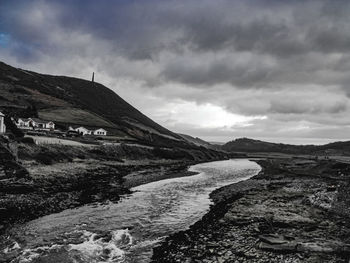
97	151
174	154
43	158
10	126
28	140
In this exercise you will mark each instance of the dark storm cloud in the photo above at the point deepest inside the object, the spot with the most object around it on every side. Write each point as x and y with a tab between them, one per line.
146	25
142	29
311	107
217	71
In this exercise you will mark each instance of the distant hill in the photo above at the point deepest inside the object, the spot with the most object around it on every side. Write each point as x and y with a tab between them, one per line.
67	100
199	142
250	145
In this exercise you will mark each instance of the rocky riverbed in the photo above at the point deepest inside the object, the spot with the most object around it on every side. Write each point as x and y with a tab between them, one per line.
295	210
49	179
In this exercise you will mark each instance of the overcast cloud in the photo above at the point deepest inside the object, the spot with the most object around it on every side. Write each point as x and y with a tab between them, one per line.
268	69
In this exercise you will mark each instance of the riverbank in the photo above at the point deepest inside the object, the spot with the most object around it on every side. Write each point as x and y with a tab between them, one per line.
294	210
50	178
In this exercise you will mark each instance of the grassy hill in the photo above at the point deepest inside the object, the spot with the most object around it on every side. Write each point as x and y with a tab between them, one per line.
67	101
250	145
76	116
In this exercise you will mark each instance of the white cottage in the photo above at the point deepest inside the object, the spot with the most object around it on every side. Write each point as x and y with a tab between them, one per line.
2	123
100	131
83	131
23	123
41	124
29	123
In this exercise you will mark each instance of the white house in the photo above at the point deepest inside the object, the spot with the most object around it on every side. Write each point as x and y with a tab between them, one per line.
2	123
23	123
29	123
41	124
83	131
100	131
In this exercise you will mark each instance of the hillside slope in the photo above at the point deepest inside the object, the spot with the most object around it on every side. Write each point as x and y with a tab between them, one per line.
68	100
250	145
199	142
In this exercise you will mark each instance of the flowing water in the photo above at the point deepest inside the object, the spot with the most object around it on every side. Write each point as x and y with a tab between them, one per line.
128	230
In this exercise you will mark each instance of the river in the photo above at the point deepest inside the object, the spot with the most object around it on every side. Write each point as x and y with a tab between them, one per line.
128	230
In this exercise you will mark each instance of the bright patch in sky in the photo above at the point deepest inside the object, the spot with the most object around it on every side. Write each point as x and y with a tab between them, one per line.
4	39
203	116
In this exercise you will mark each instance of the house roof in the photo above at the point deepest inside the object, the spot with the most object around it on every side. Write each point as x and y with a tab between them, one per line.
37	120
1	114
82	128
100	129
24	119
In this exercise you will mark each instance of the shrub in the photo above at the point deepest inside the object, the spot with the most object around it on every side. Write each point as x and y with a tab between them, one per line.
28	140
174	154
43	158
10	126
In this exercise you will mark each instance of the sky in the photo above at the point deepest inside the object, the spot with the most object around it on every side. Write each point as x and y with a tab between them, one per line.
218	70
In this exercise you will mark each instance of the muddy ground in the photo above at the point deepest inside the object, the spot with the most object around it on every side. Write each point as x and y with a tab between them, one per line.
295	210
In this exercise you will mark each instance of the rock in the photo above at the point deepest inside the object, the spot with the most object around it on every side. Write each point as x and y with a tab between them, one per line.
285	247
273	239
212	245
221	260
324	247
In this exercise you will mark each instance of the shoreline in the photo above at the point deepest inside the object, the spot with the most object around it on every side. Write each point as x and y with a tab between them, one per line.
33	189
106	183
291	211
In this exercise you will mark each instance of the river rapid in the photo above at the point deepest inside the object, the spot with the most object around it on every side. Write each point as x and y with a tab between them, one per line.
128	230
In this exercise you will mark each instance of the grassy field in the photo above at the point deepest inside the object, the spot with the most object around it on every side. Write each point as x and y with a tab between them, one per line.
76	116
